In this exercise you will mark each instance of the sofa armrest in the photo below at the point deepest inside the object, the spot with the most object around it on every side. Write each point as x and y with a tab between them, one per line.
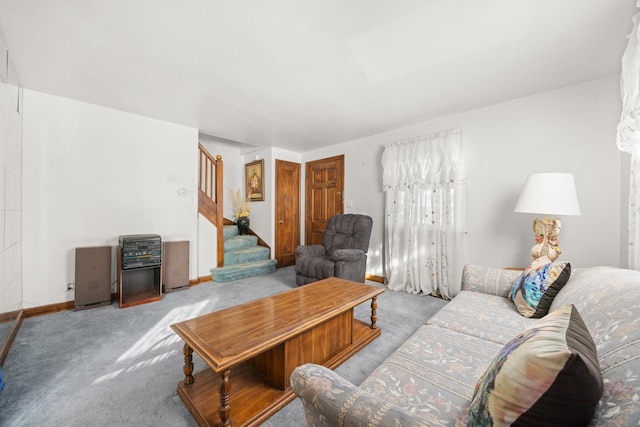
329	399
348	255
488	280
310	250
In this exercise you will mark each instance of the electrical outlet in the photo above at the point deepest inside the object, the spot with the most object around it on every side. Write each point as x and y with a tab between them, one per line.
71	286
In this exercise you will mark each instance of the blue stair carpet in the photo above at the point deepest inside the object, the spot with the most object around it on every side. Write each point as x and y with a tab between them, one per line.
239	242
242	257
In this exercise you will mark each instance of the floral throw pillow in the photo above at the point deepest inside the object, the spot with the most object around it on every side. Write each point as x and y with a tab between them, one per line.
548	375
537	286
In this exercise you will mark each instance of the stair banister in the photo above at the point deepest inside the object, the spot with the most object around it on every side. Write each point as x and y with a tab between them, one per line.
210	196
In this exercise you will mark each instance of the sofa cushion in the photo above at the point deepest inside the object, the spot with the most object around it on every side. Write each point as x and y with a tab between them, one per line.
433	374
484	316
547	375
534	290
488	280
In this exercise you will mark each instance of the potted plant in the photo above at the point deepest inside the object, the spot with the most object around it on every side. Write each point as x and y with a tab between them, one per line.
241	210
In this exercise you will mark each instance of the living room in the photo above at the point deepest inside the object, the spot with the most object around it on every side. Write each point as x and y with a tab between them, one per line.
75	192
80	173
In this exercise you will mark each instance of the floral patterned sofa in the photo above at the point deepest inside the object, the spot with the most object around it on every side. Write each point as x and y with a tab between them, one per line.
429	380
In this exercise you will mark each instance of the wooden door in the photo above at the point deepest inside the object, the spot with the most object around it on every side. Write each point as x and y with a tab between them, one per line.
324	185
287	212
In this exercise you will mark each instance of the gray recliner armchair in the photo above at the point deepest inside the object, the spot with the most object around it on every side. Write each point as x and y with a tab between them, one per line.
343	252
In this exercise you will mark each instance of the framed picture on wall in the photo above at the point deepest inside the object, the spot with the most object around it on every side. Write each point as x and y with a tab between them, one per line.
254	180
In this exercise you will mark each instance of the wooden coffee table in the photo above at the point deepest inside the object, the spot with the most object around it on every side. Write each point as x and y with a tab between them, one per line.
251	349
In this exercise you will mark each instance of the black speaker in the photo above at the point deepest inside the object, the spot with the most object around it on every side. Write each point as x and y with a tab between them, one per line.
93	277
175	265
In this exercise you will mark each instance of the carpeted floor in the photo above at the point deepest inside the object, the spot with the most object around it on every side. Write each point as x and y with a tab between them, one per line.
119	367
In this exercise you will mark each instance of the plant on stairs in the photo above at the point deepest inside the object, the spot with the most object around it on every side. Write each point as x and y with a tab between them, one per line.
241	210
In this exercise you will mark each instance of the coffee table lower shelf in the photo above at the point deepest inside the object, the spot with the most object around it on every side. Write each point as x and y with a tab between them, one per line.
253	400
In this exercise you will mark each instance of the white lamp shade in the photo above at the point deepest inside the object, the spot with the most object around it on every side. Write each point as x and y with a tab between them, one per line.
549	194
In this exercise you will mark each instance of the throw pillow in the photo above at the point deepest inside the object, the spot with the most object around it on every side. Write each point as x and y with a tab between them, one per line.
548	375
537	286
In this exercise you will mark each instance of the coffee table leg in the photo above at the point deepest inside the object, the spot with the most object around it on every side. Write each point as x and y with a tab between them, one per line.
188	364
374	307
225	406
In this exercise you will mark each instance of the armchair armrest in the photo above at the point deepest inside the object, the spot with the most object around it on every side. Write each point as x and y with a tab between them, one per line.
347	255
310	250
329	399
488	280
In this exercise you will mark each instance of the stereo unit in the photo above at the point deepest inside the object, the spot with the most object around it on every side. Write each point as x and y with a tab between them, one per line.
139	269
140	250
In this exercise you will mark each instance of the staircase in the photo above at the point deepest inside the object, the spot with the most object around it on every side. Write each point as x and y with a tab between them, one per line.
242	257
238	256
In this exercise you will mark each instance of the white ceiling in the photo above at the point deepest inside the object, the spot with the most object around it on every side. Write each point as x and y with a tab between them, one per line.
301	74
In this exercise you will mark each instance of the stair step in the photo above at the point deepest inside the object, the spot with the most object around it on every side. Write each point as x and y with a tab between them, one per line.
241	271
241	256
236	243
228	231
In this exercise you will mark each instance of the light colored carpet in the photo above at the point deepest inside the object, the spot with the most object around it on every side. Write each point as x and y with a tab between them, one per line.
119	367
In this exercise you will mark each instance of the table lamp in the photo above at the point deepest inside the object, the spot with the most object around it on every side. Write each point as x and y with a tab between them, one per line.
548	194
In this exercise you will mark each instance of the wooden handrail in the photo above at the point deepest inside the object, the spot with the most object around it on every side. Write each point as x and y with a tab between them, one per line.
210	197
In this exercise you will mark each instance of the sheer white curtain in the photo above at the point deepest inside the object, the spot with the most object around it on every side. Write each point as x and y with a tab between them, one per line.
424	183
628	135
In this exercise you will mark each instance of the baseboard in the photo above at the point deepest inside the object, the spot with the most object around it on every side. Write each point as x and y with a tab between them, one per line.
9	316
373	278
202	279
48	309
18	317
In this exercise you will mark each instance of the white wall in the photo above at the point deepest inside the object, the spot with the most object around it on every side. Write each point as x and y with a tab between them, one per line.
261	217
10	187
91	174
625	175
566	130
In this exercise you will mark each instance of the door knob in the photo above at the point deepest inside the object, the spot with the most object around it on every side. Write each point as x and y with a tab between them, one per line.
281	222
